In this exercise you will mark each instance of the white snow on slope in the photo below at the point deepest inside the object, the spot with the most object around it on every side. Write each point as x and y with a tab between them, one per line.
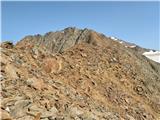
155	56
132	46
113	38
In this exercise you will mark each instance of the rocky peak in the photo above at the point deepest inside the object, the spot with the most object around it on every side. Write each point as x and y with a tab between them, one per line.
59	41
91	77
56	42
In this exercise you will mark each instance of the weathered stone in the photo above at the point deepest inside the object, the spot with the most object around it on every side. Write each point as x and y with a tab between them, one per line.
34	109
52	65
26	118
20	108
36	83
45	119
11	71
53	110
1	77
75	111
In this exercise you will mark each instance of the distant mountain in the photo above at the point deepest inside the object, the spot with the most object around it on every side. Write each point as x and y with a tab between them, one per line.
78	74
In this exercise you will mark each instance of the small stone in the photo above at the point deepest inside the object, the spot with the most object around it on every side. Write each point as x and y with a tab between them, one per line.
36	83
20	108
53	110
83	54
75	111
37	116
1	77
45	119
51	65
11	71
34	109
26	118
129	117
7	109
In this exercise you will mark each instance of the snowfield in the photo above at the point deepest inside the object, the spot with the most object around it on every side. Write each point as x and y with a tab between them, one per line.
155	56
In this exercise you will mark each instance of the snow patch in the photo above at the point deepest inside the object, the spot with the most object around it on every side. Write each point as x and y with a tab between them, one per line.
113	38
153	55
121	42
132	46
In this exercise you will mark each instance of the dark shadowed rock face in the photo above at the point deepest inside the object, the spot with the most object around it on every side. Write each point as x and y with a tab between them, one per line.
78	74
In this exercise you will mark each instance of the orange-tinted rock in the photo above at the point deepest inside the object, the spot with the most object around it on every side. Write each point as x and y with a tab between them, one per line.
11	71
51	65
36	83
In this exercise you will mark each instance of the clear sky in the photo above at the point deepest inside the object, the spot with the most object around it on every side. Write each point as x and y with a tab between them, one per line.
136	22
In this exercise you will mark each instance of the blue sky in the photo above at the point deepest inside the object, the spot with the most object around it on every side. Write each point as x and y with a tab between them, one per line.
136	22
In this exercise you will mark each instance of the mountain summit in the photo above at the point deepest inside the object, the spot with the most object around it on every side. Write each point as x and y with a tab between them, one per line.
57	42
78	74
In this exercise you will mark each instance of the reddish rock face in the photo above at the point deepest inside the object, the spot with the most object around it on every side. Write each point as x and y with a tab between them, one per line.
51	65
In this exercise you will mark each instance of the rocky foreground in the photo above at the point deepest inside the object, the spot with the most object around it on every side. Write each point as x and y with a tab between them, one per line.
77	75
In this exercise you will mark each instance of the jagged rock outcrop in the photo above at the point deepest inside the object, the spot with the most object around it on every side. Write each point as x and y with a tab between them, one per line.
59	41
7	44
78	75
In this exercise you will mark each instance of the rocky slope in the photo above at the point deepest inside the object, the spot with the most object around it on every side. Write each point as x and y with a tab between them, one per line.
77	74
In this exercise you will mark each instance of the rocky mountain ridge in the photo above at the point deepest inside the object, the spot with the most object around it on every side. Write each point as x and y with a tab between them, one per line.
78	75
60	40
